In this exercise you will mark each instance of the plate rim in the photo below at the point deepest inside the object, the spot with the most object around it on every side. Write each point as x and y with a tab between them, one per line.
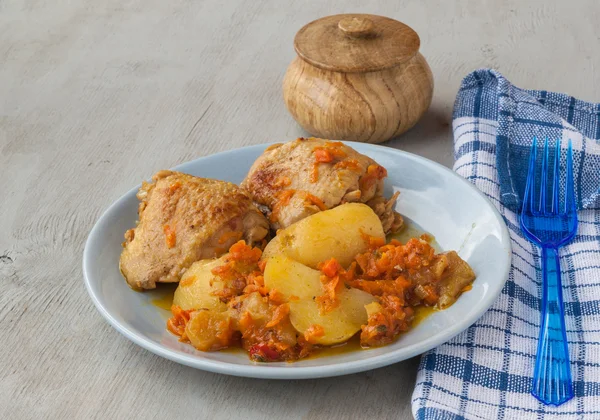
300	372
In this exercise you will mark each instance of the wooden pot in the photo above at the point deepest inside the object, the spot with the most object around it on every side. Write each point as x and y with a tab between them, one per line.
357	77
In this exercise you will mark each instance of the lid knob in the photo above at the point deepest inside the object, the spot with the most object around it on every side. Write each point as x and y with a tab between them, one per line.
357	26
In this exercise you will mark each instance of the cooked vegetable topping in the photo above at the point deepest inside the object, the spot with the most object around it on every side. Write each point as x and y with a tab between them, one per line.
279	309
374	173
311	199
351	164
327	153
313	332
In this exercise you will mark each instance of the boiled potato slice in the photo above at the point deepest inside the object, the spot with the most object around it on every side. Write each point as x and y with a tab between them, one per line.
291	278
194	290
336	233
339	324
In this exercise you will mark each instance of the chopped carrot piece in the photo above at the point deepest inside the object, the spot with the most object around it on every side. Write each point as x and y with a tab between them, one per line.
187	281
256	278
326	154
329	300
313	332
351	164
245	253
279	314
174	186
314	176
170	237
330	268
311	199
323	155
374	173
176	324
276	296
372	241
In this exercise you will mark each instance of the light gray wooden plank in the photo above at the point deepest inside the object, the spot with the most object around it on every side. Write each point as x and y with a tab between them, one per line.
95	96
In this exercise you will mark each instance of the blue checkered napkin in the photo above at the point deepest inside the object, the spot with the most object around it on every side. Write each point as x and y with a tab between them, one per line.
485	373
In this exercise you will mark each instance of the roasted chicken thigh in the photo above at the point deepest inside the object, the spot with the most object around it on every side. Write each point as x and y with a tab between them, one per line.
293	180
183	219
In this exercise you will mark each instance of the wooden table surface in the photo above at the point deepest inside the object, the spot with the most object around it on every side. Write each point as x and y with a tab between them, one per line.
97	95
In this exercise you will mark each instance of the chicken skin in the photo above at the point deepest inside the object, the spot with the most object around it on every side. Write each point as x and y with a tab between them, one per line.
294	180
183	219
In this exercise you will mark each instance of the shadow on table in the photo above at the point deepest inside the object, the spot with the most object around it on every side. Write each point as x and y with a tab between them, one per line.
431	137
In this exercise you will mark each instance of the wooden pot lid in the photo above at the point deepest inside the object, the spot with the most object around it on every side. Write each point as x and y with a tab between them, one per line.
352	43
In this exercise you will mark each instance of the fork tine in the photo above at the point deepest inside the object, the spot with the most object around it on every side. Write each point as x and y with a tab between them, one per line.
544	178
530	185
570	189
556	181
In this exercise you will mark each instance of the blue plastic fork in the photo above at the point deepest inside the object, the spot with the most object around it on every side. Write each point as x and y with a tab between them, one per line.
550	226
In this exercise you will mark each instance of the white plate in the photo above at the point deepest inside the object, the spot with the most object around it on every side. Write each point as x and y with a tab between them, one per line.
441	202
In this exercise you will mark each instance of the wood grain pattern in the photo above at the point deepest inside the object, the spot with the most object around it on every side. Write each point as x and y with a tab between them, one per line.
357	26
96	96
356	43
358	77
369	107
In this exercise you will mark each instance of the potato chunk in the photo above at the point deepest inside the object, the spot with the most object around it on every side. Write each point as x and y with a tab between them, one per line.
340	323
290	278
197	285
337	233
209	330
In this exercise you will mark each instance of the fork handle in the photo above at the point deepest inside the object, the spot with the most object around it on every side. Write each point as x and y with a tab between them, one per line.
552	382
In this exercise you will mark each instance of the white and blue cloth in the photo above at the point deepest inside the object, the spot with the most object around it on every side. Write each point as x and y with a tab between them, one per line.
485	372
